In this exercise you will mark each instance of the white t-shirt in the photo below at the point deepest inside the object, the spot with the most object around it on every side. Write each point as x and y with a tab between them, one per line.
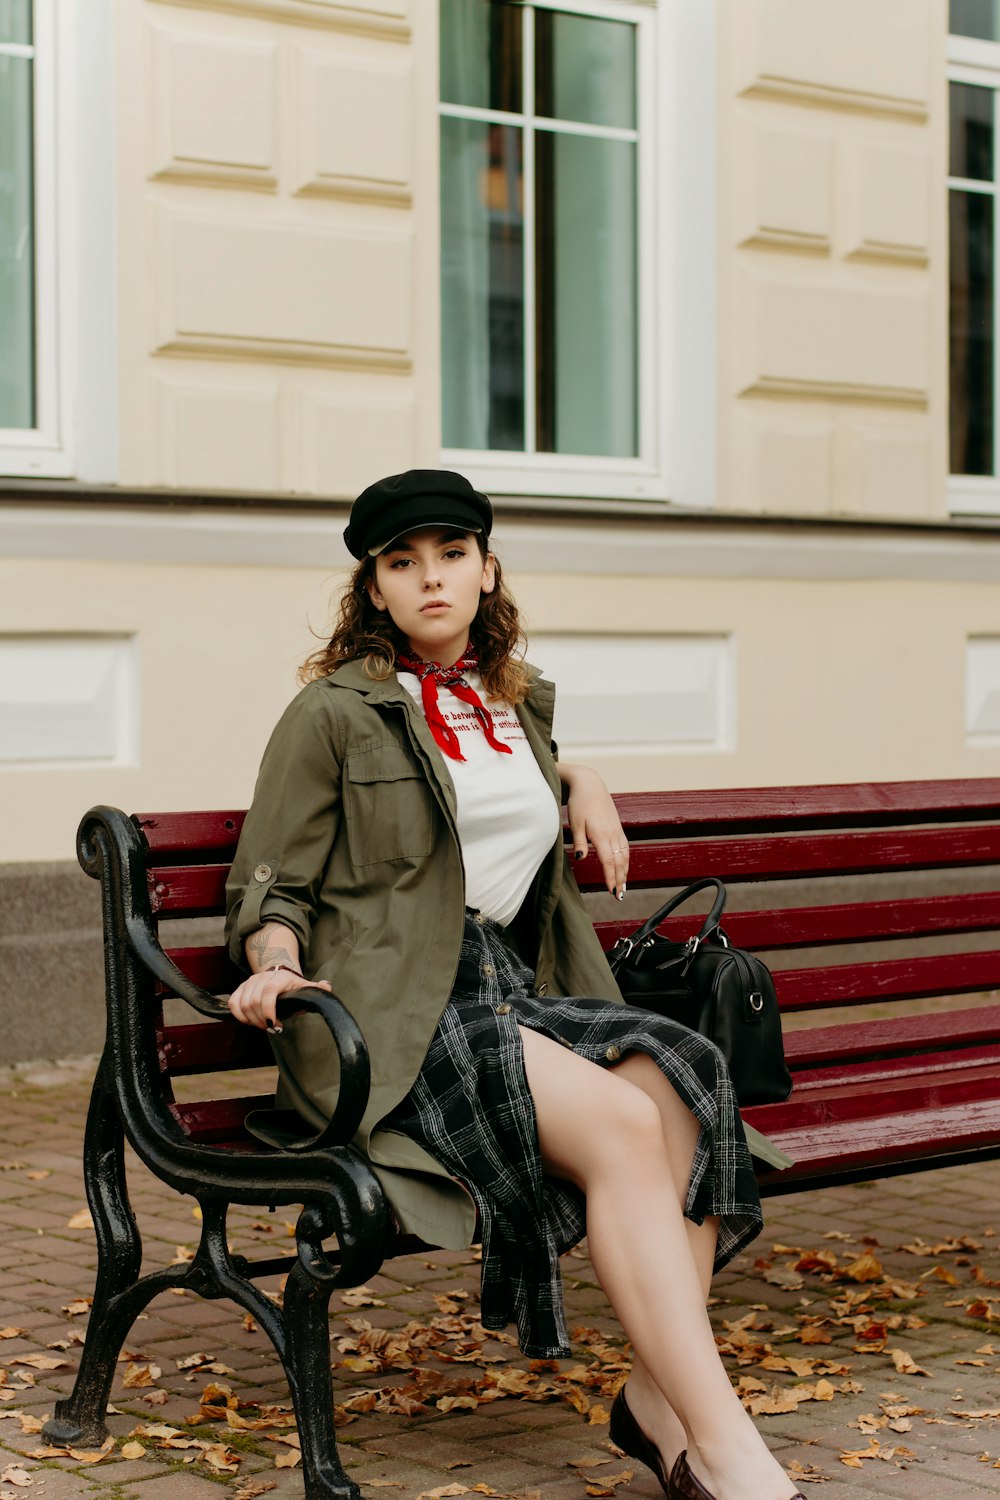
507	817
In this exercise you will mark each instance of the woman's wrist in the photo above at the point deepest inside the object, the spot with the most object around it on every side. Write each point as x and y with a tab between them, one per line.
273	969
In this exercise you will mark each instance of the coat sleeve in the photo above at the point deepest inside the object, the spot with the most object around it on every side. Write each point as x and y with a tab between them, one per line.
294	819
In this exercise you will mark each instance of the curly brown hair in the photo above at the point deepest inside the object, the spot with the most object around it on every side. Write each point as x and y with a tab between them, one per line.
364	633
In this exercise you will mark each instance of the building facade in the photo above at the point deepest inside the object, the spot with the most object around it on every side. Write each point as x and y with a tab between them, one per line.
703	295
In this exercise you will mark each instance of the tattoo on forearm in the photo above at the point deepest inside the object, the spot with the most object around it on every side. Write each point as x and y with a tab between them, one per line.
266	952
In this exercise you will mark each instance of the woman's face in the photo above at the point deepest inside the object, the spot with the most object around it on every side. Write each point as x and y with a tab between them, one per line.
431	583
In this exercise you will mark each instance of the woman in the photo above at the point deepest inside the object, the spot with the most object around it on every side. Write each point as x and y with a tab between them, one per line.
404	847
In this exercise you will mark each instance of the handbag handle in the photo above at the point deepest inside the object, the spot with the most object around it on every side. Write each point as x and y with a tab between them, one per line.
709	925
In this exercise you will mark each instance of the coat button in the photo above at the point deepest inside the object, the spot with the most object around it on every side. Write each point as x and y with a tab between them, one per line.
613	1054
489	970
478	917
542	989
262	873
503	1010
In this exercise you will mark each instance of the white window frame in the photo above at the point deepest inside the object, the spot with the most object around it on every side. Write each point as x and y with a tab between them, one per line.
560	474
975	61
41	451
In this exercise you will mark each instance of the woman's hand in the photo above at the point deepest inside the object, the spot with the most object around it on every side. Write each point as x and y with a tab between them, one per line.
254	1002
594	821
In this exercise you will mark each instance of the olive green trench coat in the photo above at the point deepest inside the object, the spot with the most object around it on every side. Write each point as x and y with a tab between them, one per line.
351	842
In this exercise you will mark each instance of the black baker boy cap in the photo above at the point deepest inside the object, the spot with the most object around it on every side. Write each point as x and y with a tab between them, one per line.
400	503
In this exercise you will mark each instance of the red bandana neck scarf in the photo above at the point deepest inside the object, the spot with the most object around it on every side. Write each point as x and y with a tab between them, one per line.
432	677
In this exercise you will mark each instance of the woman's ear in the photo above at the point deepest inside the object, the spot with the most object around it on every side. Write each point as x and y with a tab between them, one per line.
489	575
375	596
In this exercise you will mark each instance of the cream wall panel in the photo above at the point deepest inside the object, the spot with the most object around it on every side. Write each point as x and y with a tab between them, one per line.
214	105
784	460
855	53
887	210
254	287
354	126
815	338
887	467
784	178
215	434
347	438
982	690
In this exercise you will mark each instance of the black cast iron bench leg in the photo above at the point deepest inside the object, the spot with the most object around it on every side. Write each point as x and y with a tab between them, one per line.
119	1295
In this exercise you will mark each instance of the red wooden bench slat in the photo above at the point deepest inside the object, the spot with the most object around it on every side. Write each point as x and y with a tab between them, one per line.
836	1100
890	979
213	1121
188	890
739	810
815	1047
209	966
855	922
179	835
916	1136
921	1074
213	1047
781	857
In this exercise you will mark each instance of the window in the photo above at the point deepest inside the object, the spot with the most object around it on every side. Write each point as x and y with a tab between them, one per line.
974	174
545	242
30	397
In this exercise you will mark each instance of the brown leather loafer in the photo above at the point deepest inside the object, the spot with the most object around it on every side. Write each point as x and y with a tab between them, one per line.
626	1434
683	1485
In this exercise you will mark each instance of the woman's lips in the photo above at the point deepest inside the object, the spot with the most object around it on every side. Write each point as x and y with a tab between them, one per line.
433	608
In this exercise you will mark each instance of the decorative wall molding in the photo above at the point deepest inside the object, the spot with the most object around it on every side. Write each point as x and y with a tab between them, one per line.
670	545
340	297
375	17
195	140
354	127
810	339
810	54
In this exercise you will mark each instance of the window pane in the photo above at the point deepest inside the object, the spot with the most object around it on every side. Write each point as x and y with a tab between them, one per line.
584	69
974	18
15	21
482	285
971	143
480	54
17	246
971	316
586	295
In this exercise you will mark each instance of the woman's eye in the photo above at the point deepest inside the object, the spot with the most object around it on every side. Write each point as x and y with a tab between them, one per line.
455	552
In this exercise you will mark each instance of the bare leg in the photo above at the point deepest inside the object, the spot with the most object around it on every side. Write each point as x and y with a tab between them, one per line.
647	1402
602	1132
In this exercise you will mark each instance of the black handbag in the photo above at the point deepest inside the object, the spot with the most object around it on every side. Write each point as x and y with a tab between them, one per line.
712	987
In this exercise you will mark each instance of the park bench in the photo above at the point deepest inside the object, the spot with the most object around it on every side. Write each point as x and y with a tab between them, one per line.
870	1096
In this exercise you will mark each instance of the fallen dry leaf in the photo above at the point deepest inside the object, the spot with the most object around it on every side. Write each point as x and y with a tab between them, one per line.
16	1475
11	1333
905	1363
287	1460
137	1376
40	1175
133	1450
41	1361
81	1220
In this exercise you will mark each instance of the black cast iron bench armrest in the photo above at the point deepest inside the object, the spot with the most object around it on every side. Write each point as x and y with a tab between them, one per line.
110	839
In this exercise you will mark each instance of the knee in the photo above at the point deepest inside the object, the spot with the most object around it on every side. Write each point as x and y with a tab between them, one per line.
631	1122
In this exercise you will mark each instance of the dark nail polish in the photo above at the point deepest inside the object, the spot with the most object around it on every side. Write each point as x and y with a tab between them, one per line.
578	853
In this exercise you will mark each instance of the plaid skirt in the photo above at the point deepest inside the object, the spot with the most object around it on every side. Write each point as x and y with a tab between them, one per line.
472	1110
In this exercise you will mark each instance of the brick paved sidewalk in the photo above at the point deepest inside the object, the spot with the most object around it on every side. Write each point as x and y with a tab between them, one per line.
795	1320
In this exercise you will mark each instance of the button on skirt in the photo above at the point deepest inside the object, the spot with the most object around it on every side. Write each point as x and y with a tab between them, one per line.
471	1108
